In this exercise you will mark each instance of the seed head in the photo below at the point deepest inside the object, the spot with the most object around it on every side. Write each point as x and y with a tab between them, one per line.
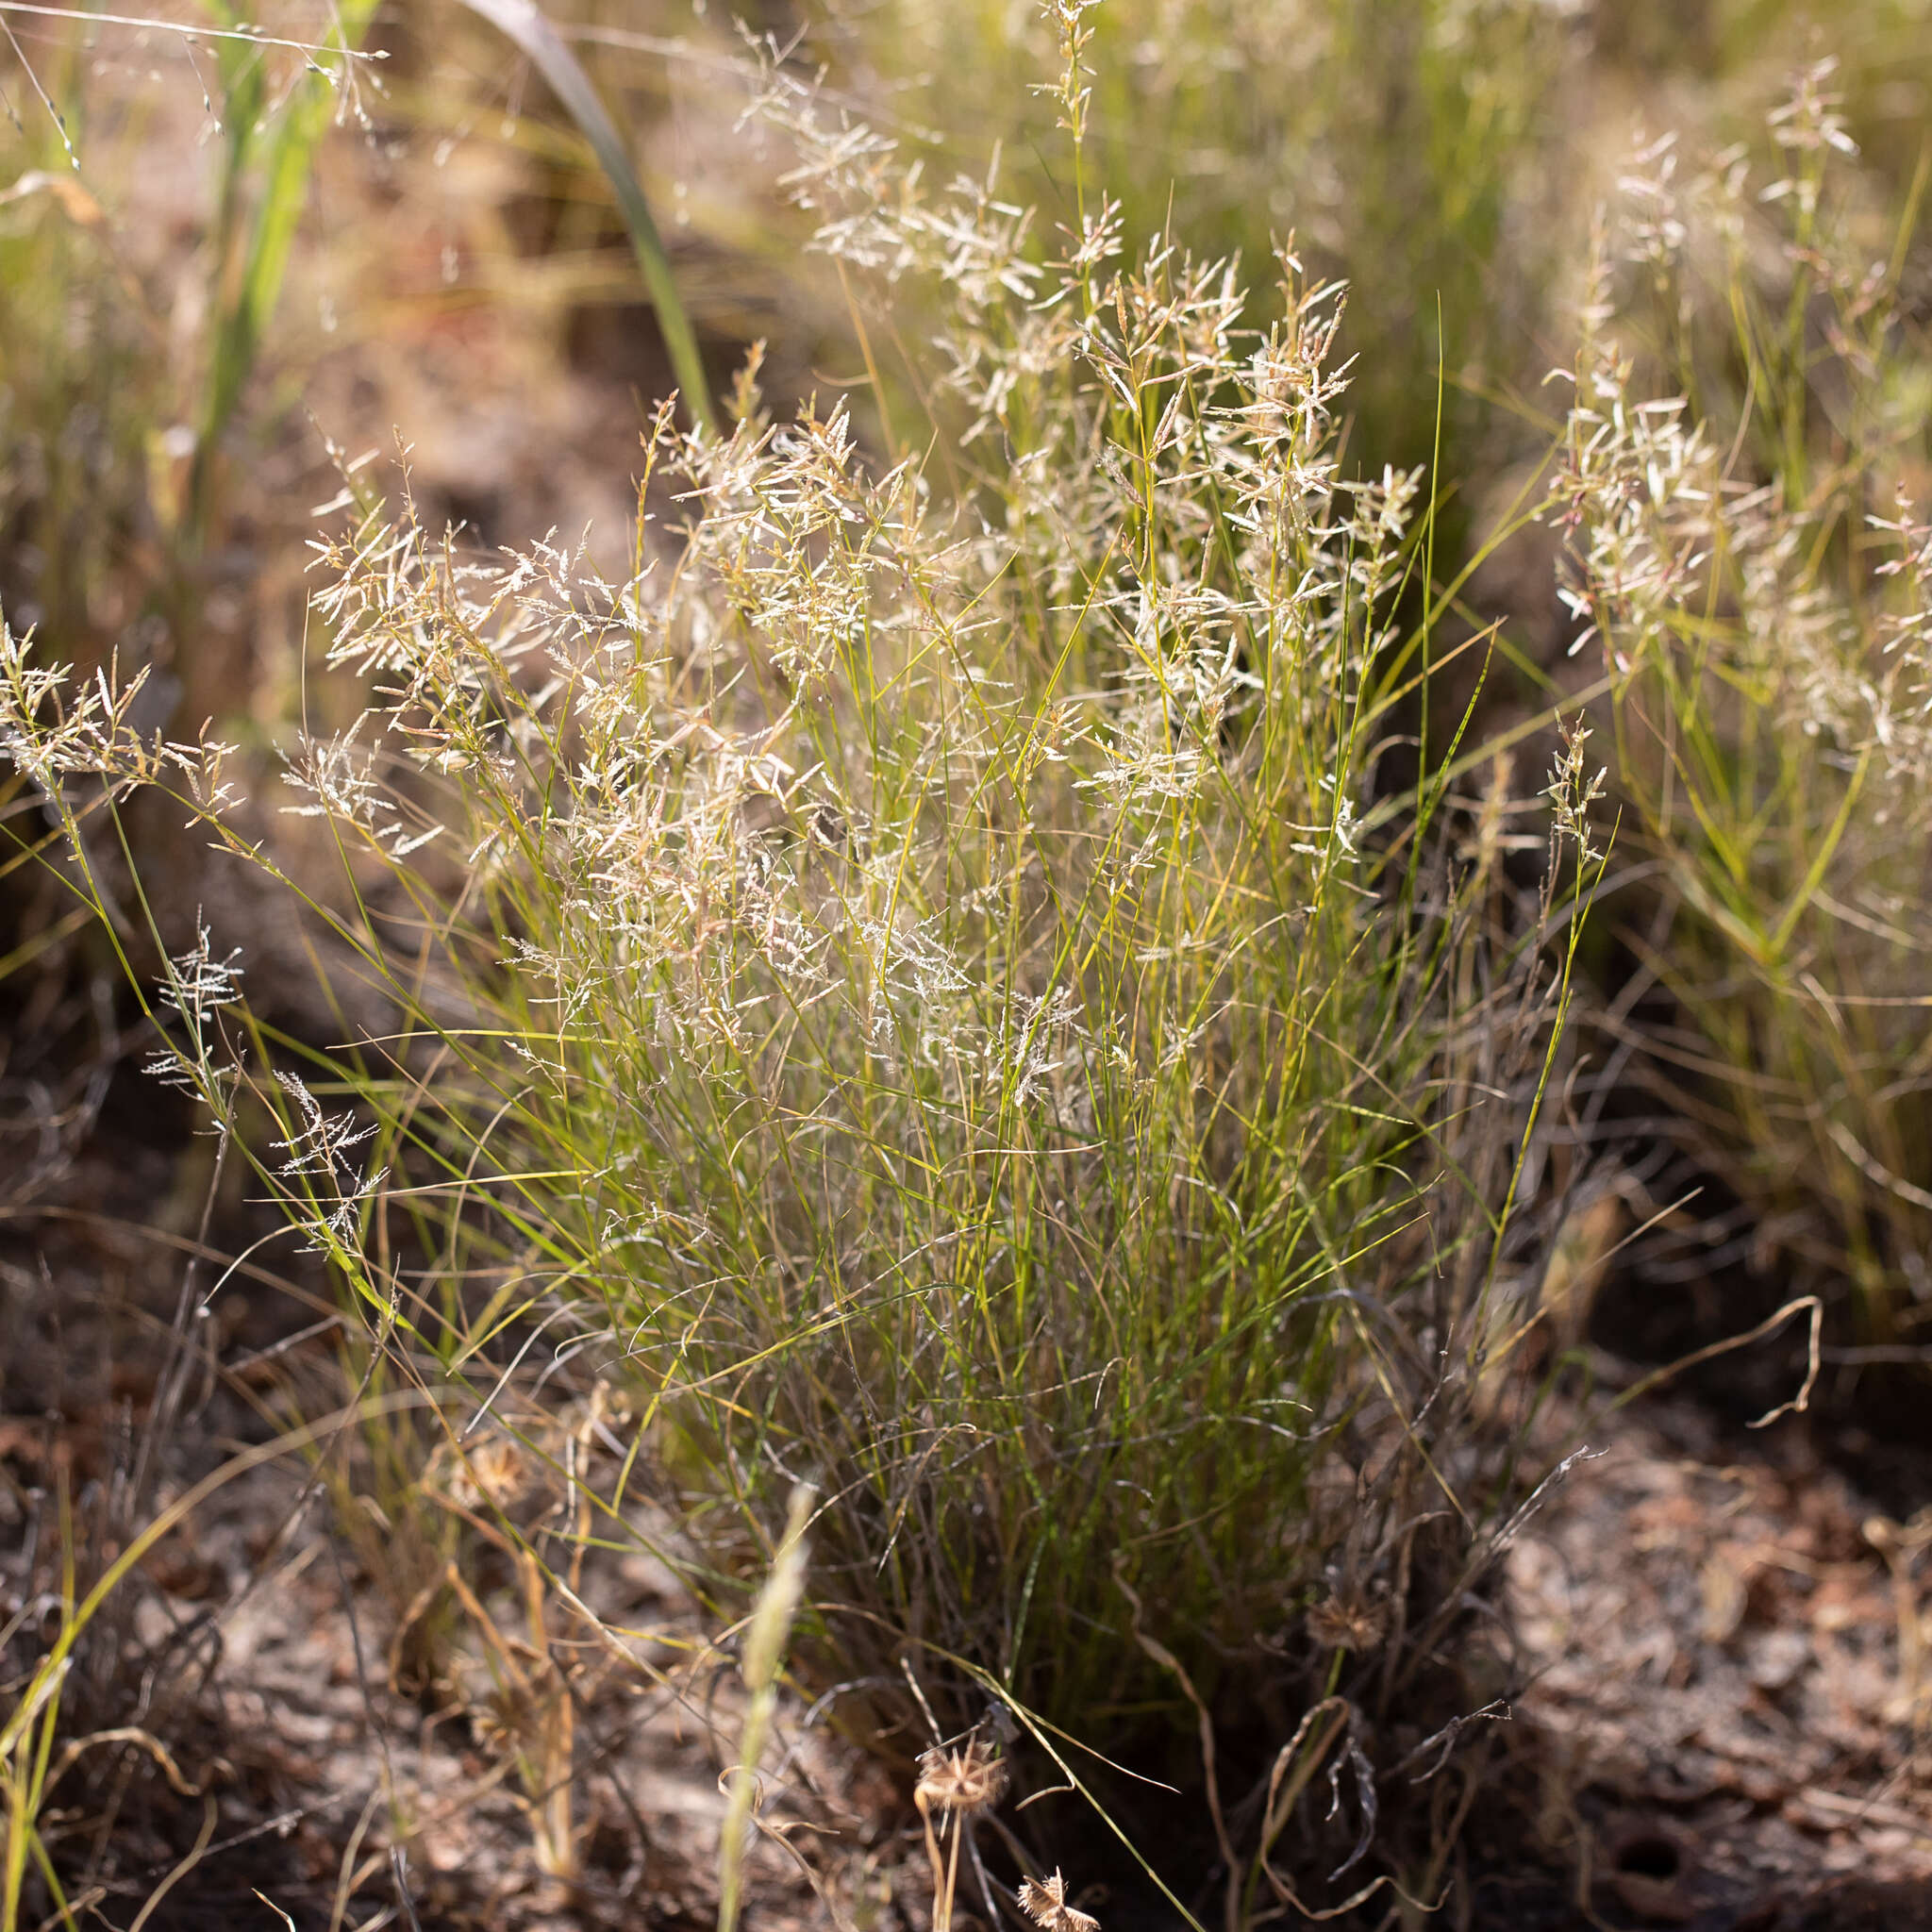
1044	1901
1347	1621
968	1780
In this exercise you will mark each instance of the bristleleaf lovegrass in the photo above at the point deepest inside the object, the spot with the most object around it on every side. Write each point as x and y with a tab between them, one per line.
1740	484
941	978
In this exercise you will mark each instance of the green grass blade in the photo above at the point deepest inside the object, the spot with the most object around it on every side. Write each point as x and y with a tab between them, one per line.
523	23
285	168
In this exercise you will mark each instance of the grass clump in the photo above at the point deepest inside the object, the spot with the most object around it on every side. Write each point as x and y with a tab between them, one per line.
1739	479
953	977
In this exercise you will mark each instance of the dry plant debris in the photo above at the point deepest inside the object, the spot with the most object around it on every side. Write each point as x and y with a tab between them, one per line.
327	1774
1713	1648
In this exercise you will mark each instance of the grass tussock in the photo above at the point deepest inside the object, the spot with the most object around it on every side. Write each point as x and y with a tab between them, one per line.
1741	479
938	977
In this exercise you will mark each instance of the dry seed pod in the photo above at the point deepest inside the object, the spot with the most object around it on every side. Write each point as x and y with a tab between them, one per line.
1347	1623
1044	1901
963	1782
